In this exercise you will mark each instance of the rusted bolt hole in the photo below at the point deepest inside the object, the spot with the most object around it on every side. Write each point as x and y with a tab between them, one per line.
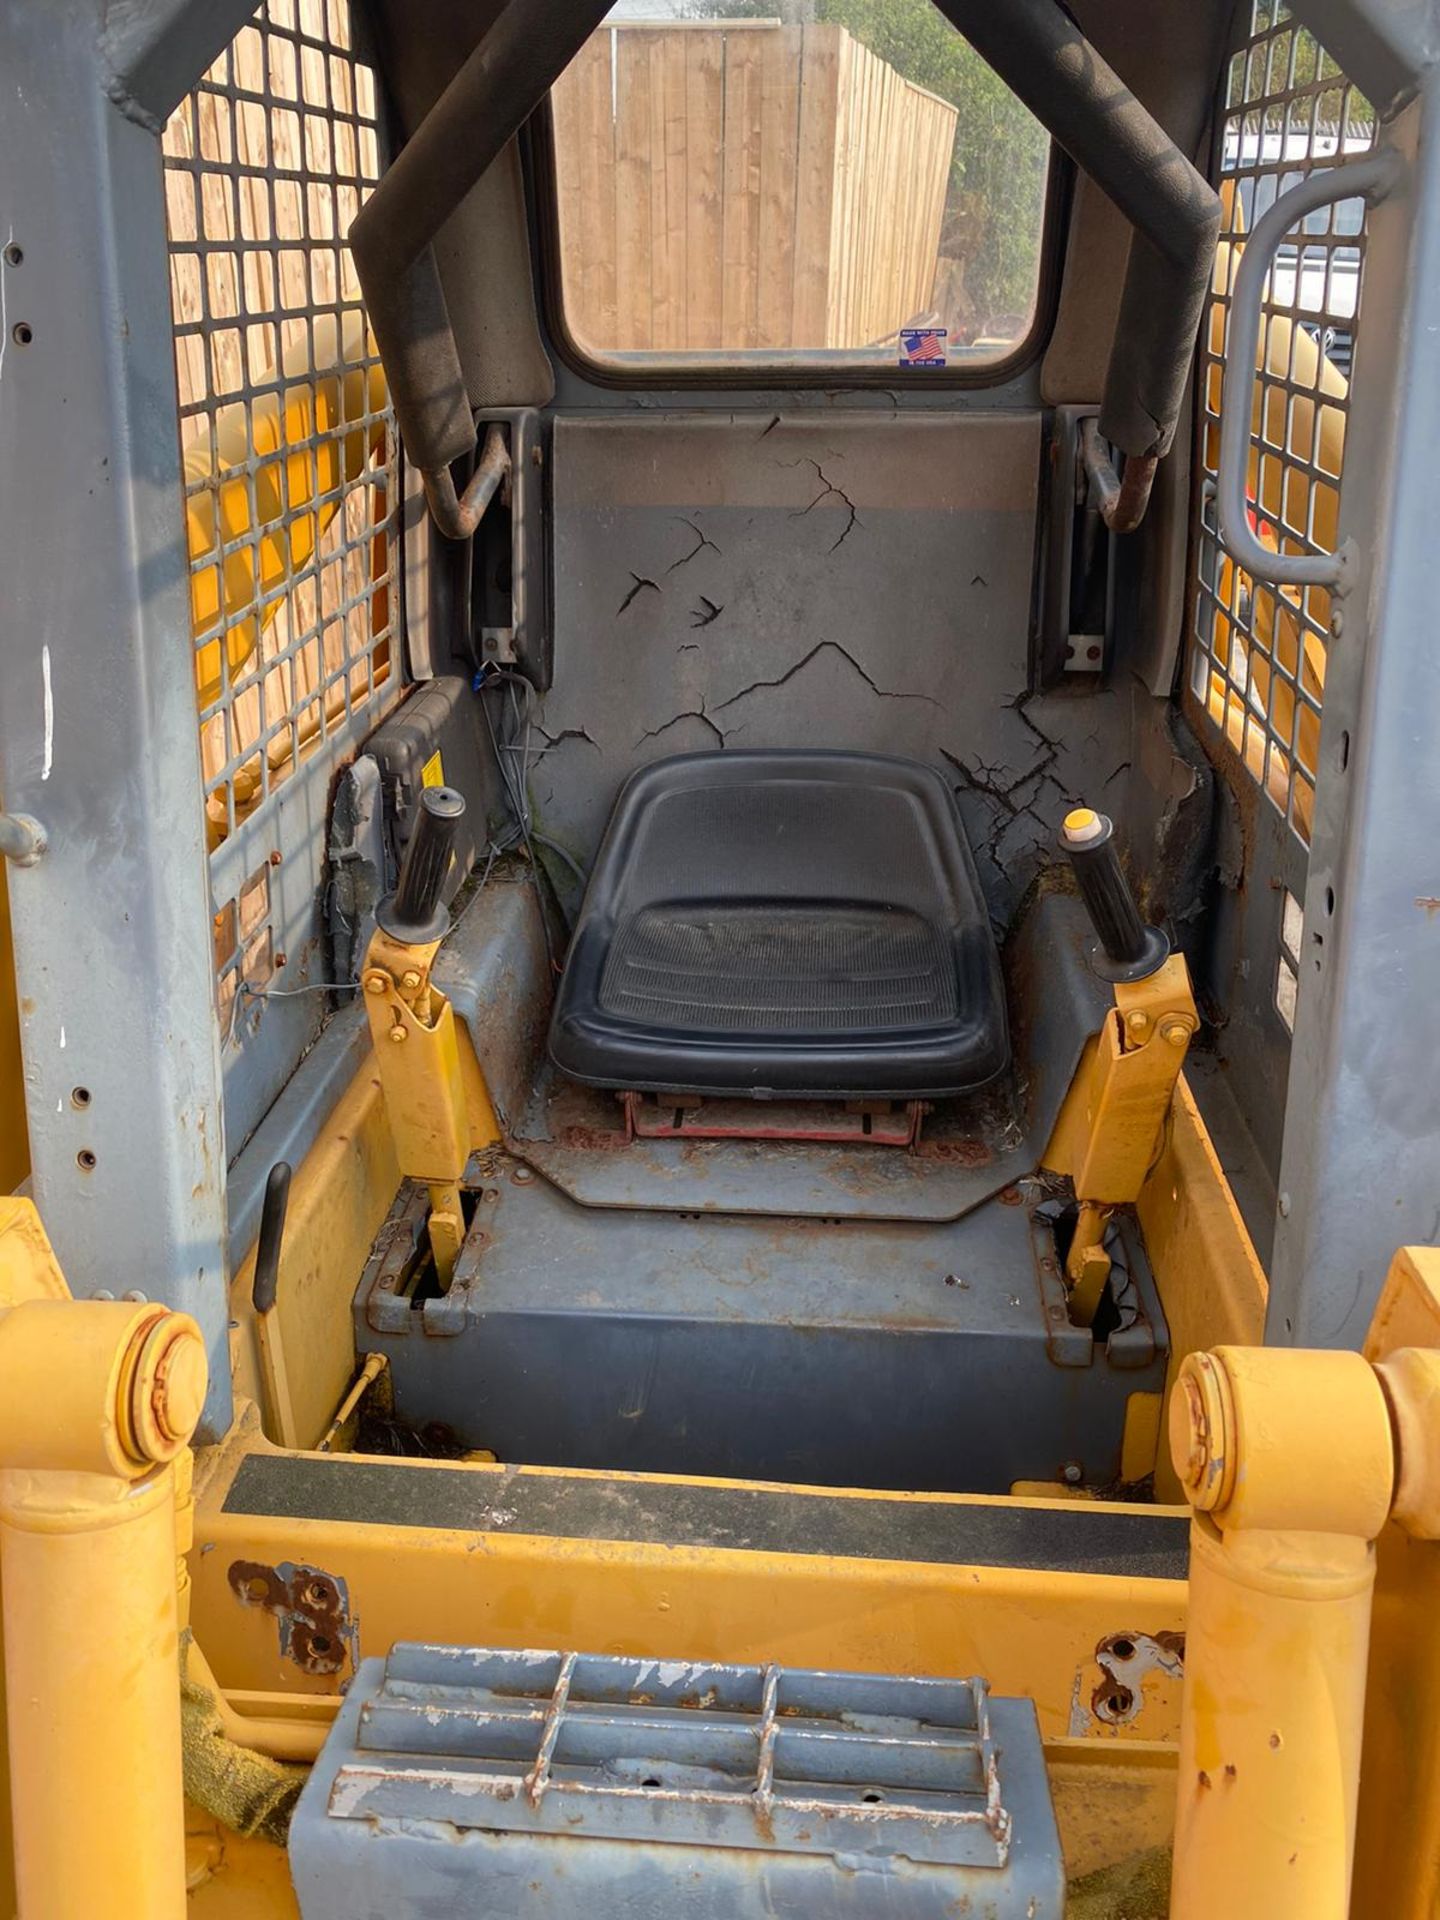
872	1798
1123	1649
22	333
85	1160
1115	1704
257	1590
317	1594
320	1642
79	1096
13	255
650	1780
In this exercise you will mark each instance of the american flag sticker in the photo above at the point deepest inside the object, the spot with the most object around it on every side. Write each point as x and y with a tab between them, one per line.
923	346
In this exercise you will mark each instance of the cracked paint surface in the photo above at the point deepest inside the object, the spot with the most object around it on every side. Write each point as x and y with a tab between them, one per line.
765	580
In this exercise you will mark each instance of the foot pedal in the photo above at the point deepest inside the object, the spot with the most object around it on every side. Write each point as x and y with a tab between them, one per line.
454	1777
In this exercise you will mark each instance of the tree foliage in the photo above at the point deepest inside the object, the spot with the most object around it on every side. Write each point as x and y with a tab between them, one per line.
997	169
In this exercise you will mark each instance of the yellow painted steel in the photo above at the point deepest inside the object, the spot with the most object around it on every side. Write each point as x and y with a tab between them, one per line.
1397	1860
438	1114
1288	1459
1140	1441
1269	1768
1111	1126
1206	1270
338	1198
92	1650
1028	1631
97	1400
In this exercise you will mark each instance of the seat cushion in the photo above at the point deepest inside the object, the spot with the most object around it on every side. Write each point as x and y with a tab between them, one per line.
798	923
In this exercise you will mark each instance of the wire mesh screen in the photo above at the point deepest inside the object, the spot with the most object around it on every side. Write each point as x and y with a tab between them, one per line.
1257	653
289	455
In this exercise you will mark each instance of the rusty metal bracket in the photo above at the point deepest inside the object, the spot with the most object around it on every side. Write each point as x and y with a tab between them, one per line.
312	1608
856	1122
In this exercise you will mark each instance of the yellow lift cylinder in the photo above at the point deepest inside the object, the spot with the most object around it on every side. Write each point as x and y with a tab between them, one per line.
92	1693
1288	1460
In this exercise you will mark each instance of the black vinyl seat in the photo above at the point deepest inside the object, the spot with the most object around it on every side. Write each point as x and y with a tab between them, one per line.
805	924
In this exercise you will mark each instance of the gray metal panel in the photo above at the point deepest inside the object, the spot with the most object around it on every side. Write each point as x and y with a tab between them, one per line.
1386	46
846	580
766	1349
97	702
1361	1168
463	1781
495	973
157	49
268	1030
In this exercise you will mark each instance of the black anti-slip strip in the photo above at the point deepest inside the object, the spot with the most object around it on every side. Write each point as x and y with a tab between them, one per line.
745	1519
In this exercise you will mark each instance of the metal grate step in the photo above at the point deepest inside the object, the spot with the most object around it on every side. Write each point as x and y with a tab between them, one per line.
629	1783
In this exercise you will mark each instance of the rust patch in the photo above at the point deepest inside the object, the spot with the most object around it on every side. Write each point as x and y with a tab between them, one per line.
1124	1660
1429	904
965	1153
580	1139
311	1607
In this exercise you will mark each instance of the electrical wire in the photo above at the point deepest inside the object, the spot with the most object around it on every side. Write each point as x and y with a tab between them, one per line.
512	736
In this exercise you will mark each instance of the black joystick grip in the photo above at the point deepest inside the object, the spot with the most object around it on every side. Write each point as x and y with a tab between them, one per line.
1131	950
414	912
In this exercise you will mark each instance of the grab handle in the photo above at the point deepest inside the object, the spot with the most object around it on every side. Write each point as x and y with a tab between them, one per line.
1369	179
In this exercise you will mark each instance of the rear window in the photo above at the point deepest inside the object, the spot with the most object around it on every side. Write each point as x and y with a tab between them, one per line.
857	191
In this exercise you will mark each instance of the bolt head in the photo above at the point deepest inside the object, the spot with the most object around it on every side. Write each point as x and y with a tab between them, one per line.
397	1033
375	983
1176	1033
1072	1473
1137	1021
410	979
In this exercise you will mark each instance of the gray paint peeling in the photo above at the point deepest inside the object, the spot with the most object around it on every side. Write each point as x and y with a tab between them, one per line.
815	581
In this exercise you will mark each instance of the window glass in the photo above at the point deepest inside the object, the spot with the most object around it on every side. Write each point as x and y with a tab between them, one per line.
848	186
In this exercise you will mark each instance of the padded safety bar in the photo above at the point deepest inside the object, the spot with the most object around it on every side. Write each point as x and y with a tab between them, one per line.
1043	57
1370	178
494	93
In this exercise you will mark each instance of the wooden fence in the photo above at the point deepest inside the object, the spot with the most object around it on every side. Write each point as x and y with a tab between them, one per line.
745	186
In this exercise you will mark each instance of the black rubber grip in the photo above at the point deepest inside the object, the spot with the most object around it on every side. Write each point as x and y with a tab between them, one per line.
414	912
1089	840
272	1233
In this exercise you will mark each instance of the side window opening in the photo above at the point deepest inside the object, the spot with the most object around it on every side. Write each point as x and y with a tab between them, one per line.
1257	654
860	191
291	502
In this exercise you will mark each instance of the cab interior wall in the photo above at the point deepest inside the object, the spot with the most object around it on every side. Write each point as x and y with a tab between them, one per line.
856	566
